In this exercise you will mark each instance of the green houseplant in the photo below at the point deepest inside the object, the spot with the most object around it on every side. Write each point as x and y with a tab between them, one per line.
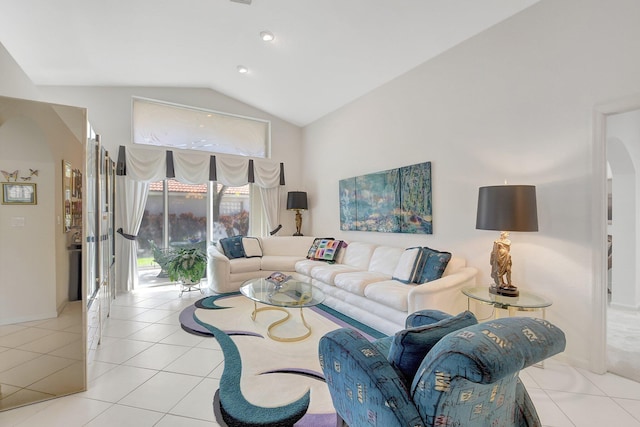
187	265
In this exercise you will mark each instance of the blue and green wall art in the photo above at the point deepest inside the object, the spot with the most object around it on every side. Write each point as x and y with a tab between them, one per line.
392	201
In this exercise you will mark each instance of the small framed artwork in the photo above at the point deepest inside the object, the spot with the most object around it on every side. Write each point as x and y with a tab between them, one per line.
19	193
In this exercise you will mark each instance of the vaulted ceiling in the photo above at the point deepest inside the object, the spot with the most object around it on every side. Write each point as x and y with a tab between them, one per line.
325	54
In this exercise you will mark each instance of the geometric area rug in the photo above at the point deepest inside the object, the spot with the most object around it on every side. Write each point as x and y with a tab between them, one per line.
267	382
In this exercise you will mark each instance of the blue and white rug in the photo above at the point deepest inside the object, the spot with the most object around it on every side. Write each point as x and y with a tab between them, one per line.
267	382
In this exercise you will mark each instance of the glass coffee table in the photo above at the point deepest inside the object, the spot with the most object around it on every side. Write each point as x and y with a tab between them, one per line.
290	294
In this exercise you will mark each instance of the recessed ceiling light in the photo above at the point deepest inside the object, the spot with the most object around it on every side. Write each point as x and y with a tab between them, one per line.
242	69
267	36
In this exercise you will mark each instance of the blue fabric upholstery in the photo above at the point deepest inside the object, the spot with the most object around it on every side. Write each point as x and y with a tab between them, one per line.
469	378
411	345
233	247
425	317
365	388
433	264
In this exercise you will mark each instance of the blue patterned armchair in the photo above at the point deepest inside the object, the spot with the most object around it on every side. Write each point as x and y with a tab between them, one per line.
441	371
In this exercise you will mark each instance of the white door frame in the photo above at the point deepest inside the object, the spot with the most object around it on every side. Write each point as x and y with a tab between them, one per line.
598	360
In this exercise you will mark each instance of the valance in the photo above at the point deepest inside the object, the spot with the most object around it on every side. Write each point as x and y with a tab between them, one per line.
190	167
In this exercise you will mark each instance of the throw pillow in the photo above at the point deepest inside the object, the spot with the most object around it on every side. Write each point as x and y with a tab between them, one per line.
314	246
407	269
410	346
326	250
252	248
433	265
232	247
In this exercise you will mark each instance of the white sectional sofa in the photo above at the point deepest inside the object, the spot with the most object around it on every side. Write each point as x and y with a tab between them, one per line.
359	285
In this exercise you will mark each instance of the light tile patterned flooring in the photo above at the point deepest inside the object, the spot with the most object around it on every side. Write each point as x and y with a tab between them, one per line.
149	372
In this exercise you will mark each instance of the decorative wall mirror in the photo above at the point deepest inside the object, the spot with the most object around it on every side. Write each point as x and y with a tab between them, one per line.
42	298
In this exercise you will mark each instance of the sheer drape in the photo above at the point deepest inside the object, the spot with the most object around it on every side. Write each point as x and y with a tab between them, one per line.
132	198
142	166
271	203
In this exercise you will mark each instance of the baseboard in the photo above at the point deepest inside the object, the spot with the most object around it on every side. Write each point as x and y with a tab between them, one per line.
624	307
31	318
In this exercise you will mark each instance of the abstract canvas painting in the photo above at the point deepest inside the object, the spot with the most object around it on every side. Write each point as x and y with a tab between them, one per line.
392	201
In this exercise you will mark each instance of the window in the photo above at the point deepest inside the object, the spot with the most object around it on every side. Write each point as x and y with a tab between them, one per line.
170	125
176	216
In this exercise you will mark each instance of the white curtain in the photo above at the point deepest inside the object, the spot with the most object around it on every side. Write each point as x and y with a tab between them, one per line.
191	168
148	165
271	205
232	171
132	198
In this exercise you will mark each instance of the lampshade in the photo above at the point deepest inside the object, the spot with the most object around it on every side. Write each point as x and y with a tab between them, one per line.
507	208
297	200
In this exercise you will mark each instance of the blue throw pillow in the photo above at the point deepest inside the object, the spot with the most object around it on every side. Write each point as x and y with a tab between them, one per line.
232	247
433	265
410	346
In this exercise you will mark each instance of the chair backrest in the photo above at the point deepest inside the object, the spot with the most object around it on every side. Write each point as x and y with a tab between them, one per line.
470	376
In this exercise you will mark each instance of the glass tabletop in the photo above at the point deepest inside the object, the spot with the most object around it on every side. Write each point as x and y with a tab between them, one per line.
289	294
524	300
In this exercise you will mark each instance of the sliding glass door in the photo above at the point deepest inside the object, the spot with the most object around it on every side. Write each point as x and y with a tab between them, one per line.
179	215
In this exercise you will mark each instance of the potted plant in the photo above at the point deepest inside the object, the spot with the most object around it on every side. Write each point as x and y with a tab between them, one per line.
187	265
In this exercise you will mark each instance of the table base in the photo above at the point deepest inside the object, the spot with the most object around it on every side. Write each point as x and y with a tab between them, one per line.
277	323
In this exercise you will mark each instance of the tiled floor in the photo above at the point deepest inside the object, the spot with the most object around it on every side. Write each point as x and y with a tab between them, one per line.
41	359
149	372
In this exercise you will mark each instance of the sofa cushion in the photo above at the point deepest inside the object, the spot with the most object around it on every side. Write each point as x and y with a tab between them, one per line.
385	259
244	265
390	293
251	246
357	281
433	265
327	273
358	254
425	317
410	346
232	247
279	262
407	269
325	250
305	266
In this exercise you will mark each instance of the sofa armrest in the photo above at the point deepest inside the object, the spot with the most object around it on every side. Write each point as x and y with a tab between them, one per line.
362	382
218	271
444	294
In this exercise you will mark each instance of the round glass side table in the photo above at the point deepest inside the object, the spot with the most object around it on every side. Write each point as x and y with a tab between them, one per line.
526	301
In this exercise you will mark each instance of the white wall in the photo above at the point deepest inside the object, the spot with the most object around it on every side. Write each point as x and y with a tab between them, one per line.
516	103
27	268
34	256
14	81
110	115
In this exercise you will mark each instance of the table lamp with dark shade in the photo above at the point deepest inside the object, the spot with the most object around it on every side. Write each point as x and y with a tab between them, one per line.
297	201
505	208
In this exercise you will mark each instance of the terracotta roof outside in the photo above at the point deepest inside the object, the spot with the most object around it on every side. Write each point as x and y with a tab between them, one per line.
179	187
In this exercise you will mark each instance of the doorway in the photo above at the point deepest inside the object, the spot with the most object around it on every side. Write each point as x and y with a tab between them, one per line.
622	144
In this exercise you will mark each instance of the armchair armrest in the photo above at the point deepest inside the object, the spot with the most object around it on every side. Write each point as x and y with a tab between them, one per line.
364	387
486	358
444	294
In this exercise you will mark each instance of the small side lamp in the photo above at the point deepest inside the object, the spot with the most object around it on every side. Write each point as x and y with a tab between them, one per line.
297	201
505	208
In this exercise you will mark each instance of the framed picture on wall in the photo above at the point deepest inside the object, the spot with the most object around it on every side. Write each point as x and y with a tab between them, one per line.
14	193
